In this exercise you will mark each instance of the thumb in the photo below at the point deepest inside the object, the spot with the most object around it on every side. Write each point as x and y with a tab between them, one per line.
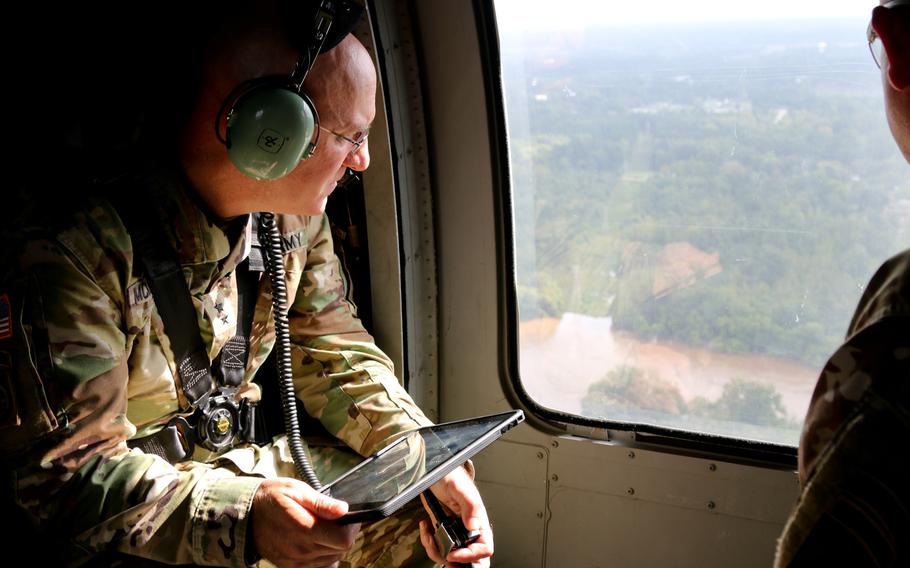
321	505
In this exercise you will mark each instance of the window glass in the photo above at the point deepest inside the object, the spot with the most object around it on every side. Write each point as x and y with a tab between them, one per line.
701	196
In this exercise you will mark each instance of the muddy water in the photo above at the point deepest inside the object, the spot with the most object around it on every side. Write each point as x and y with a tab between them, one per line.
561	357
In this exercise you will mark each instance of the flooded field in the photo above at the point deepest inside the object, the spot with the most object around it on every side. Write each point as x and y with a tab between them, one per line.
562	357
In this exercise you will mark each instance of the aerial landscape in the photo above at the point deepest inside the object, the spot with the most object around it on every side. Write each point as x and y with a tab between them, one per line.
697	210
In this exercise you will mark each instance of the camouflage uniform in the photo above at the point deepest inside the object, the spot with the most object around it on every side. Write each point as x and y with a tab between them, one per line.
853	455
85	366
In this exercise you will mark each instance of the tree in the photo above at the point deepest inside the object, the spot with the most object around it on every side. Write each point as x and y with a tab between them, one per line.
626	389
746	401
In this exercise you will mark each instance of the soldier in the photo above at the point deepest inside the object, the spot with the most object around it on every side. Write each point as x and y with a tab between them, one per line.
854	509
89	370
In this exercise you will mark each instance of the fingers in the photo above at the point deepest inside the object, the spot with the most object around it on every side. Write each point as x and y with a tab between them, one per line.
335	537
459	493
429	544
321	505
293	524
478	552
322	562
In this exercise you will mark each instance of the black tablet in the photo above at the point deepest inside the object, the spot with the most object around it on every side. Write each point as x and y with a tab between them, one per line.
385	482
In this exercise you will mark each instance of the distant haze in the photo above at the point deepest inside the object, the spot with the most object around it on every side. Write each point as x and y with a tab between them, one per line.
575	14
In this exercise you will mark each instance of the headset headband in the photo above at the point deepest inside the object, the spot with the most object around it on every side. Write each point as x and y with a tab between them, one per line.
272	124
344	17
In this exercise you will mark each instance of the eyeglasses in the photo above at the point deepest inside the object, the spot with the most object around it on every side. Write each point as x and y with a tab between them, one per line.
875	43
356	142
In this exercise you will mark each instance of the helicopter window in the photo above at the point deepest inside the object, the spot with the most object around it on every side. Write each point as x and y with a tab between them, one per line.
701	191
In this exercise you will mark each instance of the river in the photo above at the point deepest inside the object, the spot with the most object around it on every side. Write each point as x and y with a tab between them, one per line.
562	357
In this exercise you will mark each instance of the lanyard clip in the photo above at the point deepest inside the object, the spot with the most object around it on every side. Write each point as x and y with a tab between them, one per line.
450	532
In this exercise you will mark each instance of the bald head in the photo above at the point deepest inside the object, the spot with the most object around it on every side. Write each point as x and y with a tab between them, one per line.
337	78
258	45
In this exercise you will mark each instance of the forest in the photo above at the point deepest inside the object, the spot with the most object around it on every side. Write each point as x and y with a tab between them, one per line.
763	149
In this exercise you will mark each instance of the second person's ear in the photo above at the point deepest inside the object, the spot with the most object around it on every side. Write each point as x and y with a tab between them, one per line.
893	28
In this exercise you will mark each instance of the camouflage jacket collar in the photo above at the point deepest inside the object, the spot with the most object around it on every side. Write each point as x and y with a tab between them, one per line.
196	235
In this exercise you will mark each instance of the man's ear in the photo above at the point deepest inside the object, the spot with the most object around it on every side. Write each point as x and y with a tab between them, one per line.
894	30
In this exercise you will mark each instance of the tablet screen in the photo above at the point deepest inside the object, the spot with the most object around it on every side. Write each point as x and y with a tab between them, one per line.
419	458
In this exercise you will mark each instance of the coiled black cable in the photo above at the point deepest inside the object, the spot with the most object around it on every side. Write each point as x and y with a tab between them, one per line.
273	252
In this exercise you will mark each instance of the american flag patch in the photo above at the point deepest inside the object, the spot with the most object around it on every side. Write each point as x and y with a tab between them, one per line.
6	325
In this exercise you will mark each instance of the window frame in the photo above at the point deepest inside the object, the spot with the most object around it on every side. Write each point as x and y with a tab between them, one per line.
649	436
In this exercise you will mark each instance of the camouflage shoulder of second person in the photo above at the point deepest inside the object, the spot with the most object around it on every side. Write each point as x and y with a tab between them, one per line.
855	509
886	295
876	357
877	350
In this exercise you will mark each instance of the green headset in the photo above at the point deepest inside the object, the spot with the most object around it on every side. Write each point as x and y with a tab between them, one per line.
272	124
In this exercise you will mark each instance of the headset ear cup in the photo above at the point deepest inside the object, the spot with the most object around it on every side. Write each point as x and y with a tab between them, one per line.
269	130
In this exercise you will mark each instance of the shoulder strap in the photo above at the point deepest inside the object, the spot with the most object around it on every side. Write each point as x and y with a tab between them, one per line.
230	365
172	297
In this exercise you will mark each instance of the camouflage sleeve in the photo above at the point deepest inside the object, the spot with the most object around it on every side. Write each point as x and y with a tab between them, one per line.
342	377
65	373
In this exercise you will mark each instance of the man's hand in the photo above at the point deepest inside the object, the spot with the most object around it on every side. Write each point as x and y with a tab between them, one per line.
458	492
293	525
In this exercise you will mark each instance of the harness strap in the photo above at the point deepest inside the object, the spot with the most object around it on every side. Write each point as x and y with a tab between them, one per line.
176	441
217	422
230	364
168	286
169	443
